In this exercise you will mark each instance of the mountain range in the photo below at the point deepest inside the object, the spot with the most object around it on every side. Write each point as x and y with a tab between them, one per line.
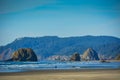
44	47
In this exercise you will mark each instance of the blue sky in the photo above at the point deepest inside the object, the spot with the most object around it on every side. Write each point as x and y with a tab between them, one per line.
64	18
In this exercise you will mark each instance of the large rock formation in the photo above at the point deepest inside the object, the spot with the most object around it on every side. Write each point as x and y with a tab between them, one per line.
47	46
90	55
75	57
24	54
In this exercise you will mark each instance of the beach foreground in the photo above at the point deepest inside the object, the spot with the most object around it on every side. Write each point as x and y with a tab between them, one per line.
111	74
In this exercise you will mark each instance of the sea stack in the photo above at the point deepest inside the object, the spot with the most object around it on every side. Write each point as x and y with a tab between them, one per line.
90	55
75	57
117	57
23	54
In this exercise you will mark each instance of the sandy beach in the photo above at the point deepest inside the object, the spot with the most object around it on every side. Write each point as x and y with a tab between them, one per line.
110	74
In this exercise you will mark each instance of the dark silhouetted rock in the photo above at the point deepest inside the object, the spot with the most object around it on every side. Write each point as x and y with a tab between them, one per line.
75	57
24	54
118	57
90	55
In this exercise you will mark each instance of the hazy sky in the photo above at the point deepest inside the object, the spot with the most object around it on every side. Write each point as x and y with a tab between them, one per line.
64	18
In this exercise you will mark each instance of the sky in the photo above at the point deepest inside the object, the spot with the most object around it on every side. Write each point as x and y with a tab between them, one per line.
63	18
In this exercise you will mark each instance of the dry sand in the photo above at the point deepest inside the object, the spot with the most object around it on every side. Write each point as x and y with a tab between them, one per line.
102	74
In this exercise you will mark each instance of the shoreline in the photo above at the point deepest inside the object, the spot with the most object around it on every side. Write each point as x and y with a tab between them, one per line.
55	71
84	74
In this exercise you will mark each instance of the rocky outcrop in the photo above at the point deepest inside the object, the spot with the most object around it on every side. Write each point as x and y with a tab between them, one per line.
58	58
47	46
118	57
75	57
7	54
90	55
24	54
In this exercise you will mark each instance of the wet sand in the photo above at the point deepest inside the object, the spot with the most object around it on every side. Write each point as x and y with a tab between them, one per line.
101	74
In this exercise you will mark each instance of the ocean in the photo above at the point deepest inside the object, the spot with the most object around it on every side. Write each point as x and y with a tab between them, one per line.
47	65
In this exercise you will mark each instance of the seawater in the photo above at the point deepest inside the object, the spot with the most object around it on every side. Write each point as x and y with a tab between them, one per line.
47	65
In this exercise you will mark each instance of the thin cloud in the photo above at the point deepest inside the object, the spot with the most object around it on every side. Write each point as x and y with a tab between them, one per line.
10	6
